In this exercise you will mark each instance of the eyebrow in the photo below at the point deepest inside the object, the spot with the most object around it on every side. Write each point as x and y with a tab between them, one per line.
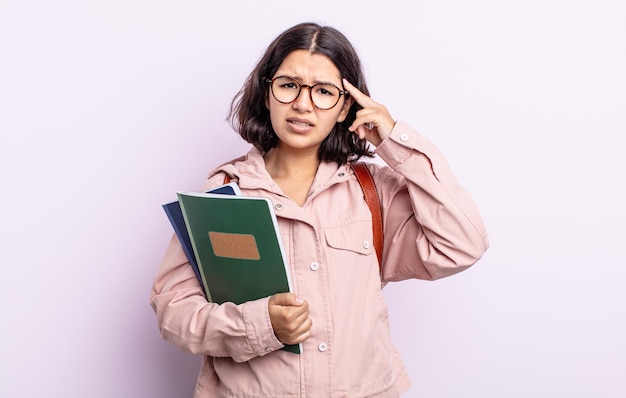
299	80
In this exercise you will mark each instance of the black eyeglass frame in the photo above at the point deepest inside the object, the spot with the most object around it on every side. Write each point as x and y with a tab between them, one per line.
310	87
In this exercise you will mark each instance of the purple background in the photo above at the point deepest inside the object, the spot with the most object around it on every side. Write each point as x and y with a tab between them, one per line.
108	108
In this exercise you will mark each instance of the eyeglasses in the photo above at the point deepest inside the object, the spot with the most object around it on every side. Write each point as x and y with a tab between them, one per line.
323	95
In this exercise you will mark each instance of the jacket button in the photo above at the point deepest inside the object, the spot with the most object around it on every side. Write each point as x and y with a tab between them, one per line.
404	137
314	266
322	347
278	206
366	244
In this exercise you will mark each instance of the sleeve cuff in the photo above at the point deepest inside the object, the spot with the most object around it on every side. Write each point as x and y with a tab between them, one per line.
402	143
259	327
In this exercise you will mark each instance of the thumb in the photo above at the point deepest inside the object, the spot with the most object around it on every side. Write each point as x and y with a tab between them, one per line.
287	299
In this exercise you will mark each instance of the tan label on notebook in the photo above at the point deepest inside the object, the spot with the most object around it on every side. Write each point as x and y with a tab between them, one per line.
239	246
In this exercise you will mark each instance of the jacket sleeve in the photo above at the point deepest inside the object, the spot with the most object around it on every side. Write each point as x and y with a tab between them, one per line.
432	226
189	321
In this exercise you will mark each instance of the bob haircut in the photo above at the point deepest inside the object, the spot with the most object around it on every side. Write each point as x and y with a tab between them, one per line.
251	119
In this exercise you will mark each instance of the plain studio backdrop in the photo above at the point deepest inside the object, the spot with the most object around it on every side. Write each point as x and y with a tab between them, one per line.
108	108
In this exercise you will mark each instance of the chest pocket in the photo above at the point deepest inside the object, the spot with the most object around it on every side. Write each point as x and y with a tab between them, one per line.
355	236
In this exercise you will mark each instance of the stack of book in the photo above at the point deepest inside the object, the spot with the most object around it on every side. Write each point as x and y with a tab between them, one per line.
232	243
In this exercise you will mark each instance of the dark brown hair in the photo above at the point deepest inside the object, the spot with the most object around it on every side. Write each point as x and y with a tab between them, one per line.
251	119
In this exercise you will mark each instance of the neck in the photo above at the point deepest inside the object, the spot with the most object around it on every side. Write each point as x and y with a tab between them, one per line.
293	172
286	164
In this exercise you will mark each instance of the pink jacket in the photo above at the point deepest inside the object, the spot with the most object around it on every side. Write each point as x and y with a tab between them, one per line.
432	230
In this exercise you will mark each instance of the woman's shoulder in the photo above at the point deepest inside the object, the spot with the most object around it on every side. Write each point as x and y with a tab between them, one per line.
378	169
250	165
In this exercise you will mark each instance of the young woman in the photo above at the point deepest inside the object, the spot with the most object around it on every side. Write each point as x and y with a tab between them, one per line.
306	110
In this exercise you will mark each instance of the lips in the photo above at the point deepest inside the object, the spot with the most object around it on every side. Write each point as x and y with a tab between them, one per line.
300	123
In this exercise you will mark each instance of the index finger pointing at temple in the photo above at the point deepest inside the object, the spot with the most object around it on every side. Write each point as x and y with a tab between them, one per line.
358	96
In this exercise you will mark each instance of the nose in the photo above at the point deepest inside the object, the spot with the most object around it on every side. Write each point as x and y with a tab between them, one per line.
303	101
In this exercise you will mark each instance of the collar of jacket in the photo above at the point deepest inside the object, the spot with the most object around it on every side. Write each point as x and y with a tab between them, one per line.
250	173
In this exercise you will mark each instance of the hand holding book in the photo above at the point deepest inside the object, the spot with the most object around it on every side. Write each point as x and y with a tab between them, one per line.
289	315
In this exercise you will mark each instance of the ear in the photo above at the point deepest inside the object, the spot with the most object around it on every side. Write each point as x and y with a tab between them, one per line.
347	104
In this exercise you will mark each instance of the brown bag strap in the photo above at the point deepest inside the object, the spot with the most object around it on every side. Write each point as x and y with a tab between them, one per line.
370	194
363	175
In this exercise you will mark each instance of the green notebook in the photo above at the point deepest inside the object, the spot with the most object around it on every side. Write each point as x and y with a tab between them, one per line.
237	246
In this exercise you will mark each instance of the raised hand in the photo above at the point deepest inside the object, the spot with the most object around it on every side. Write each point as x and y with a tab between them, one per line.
373	122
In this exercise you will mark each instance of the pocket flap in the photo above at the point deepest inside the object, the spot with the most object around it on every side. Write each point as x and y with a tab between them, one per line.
355	236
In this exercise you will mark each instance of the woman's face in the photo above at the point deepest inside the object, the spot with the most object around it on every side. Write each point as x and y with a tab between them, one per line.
299	125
